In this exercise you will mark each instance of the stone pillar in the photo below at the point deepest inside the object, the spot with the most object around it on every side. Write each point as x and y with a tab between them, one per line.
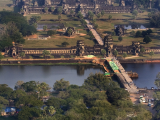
108	45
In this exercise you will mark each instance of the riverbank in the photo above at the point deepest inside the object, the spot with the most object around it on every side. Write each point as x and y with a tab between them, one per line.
47	62
72	61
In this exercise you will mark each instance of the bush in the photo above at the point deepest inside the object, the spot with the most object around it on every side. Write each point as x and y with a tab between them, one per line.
147	39
132	33
113	33
149	31
138	34
51	32
144	33
120	38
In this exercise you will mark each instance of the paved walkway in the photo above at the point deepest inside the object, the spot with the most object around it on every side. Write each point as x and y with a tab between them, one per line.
94	32
124	78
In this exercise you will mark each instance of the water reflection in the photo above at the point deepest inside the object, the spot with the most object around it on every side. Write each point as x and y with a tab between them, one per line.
147	73
132	26
75	74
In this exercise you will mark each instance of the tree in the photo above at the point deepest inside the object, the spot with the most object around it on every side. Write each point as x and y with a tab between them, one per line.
133	33
51	110
19	21
64	44
59	18
147	39
30	86
29	100
138	34
98	15
144	33
154	20
142	50
124	55
79	15
94	21
51	32
28	113
59	10
103	52
16	94
18	85
99	82
35	19
46	10
1	56
5	91
115	53
45	53
149	15
44	27
110	17
22	54
117	94
69	32
95	26
120	38
42	88
3	101
52	9
157	81
71	13
135	13
102	13
149	31
61	85
151	54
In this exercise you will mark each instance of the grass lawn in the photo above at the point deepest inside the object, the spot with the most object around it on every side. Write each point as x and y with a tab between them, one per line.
123	15
5	4
56	40
147	56
127	40
47	16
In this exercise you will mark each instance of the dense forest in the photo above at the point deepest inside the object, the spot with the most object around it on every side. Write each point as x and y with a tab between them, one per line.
99	98
13	27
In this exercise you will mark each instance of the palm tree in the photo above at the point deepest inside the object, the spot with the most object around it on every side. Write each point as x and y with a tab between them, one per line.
22	54
45	53
45	28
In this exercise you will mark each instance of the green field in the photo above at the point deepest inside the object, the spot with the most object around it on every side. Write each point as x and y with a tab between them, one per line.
56	40
124	15
47	16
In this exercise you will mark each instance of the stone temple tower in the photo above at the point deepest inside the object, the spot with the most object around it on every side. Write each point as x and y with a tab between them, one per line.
122	3
80	48
108	44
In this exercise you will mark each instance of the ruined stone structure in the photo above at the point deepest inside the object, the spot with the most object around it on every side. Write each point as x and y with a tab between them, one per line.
120	30
39	7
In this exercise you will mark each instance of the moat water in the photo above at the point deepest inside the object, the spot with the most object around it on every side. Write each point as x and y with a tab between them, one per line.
132	26
75	74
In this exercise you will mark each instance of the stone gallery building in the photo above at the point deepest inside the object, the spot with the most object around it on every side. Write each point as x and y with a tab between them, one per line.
81	49
49	6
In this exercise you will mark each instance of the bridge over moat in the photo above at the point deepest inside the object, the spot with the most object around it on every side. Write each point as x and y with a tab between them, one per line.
121	74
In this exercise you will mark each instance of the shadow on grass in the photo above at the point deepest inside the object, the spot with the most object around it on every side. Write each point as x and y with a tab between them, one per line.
126	15
108	32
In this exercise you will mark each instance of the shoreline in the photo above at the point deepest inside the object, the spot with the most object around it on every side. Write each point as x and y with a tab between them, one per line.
76	61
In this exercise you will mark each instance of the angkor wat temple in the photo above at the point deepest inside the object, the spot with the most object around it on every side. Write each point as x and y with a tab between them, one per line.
39	6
